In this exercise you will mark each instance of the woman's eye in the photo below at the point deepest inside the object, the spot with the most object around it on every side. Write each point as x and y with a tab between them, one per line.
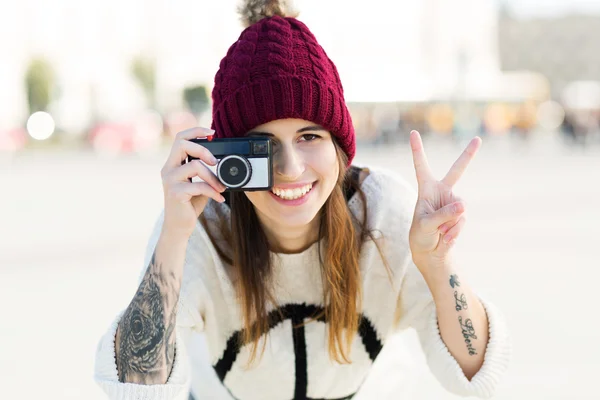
309	137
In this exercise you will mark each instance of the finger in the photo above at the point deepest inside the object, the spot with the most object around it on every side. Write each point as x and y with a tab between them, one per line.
193	189
196	168
454	231
419	159
182	147
460	165
445	227
196	132
453	211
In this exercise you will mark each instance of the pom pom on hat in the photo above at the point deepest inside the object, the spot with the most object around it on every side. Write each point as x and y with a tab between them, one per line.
252	11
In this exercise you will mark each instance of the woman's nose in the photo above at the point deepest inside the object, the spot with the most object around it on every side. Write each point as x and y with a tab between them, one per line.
288	164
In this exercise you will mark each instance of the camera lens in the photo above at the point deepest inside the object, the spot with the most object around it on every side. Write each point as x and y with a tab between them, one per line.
234	171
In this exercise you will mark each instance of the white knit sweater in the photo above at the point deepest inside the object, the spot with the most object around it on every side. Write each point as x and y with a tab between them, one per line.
296	364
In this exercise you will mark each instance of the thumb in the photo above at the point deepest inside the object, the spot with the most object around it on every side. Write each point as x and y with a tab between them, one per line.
199	202
447	213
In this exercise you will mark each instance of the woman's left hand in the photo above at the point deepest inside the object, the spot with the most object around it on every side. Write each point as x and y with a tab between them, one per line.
439	213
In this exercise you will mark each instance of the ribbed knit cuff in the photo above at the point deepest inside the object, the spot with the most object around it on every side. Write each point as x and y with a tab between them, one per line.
106	374
447	370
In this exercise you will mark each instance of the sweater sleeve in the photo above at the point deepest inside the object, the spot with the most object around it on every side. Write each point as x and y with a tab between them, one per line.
392	202
416	309
188	319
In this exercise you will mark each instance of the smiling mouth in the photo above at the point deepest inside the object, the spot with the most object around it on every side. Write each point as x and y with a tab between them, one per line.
292	194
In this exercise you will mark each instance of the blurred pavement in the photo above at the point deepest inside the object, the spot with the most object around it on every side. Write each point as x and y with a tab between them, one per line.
74	228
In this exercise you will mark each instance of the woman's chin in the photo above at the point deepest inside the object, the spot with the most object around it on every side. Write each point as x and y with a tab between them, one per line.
296	219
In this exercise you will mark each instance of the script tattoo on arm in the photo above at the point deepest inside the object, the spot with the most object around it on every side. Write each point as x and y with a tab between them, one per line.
461	301
145	341
468	332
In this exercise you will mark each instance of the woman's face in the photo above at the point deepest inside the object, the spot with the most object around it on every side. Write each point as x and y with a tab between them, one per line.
305	171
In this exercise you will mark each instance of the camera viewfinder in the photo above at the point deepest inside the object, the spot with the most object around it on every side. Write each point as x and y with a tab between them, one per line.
259	148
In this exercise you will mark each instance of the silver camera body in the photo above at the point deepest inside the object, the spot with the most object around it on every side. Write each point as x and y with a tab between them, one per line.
243	164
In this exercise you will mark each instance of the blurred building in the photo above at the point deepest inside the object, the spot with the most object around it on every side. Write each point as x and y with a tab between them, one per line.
386	52
389	51
563	49
91	46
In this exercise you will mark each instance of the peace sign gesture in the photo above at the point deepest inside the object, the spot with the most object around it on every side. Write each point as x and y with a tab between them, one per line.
439	213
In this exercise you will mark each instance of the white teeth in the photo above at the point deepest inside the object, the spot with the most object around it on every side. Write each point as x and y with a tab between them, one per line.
292	194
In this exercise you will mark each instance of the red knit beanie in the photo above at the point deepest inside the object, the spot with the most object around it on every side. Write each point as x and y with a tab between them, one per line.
276	70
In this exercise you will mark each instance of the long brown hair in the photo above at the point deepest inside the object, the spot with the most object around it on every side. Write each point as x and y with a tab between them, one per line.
342	235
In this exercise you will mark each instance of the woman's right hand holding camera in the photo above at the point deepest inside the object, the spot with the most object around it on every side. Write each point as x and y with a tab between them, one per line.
145	337
185	200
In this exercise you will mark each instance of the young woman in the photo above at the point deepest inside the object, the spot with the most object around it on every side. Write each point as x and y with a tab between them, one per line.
297	289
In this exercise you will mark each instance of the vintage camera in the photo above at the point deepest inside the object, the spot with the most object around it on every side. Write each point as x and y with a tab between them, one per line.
243	164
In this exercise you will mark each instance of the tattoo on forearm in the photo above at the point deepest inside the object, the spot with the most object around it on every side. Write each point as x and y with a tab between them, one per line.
146	343
461	301
454	281
468	332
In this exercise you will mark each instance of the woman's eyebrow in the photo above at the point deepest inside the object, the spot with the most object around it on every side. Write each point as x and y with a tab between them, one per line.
311	128
305	129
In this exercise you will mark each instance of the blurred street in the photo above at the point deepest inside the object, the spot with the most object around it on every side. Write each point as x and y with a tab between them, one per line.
74	227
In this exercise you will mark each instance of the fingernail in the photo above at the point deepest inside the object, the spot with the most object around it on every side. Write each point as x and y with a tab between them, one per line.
213	159
458	207
221	199
208	130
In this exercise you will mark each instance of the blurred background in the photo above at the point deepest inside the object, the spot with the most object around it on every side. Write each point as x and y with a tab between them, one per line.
92	93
